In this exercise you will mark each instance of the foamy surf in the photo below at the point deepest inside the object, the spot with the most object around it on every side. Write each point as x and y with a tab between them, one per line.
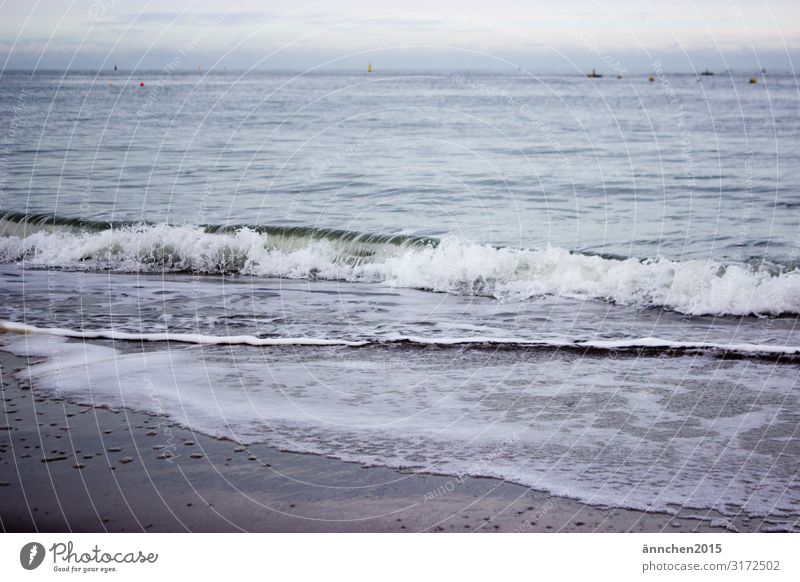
646	343
656	436
449	265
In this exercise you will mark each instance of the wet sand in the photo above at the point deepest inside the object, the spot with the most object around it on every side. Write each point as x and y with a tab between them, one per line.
68	467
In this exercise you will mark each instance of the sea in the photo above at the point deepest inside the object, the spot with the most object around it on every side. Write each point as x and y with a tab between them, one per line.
587	286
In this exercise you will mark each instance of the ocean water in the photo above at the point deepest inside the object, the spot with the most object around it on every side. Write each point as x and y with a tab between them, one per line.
587	286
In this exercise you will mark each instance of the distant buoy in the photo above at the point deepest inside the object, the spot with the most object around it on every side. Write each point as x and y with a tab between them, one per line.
619	76
651	78
141	84
753	80
369	68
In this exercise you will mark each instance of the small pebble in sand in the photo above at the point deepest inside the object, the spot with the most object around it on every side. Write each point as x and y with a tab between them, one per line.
189	443
252	458
239	449
4	484
151	433
51	459
126	460
114	449
196	456
79	466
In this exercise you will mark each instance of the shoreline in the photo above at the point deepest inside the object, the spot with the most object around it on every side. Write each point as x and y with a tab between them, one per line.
66	467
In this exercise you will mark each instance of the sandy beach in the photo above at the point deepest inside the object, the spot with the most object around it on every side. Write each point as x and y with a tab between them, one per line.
67	467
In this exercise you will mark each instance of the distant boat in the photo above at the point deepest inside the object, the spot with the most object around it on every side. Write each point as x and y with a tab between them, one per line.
594	75
707	73
369	68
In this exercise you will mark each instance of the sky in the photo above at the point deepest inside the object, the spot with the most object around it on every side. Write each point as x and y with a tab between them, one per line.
610	35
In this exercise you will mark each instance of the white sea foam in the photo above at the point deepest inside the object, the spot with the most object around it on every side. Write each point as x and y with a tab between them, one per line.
453	266
249	340
190	338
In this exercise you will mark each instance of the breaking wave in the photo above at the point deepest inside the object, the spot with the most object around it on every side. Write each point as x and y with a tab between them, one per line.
449	265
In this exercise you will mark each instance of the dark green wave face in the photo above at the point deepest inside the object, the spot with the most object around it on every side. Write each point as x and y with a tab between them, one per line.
19	224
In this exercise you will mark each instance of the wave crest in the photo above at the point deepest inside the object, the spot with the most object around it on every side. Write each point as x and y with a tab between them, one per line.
449	265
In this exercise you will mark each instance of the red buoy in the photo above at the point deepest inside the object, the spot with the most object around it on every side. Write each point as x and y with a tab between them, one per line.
141	84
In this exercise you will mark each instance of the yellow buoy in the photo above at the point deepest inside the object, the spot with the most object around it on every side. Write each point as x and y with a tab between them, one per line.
651	78
369	68
753	80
